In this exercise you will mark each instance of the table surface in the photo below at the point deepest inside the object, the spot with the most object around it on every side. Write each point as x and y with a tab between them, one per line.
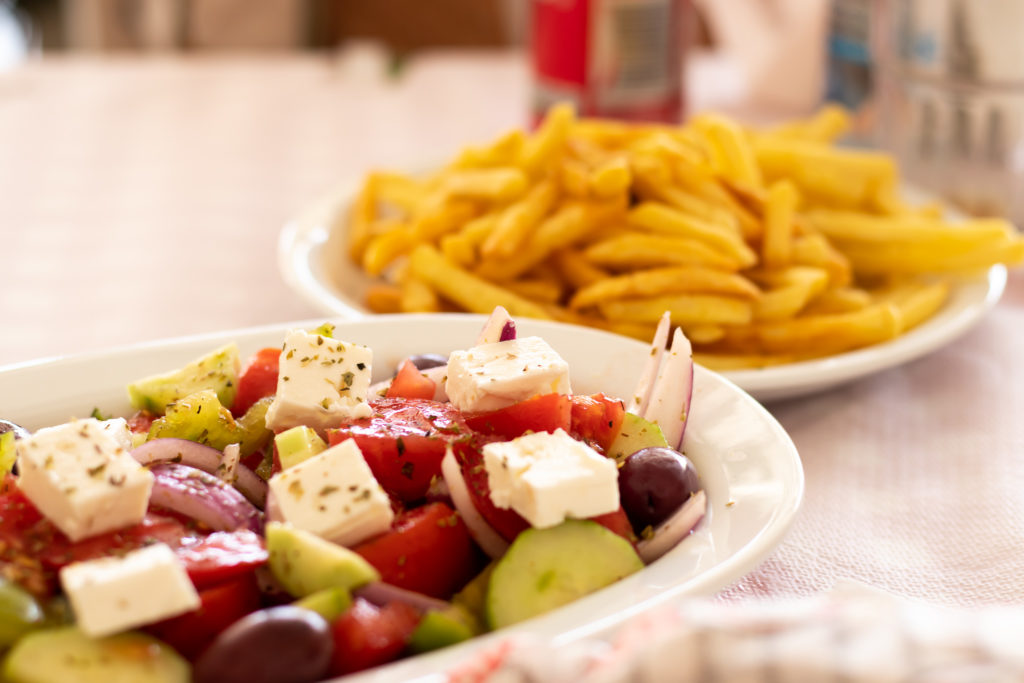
142	199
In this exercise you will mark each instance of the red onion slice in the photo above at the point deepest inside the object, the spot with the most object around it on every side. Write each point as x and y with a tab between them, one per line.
642	394
670	532
201	496
499	327
669	405
201	457
380	594
483	533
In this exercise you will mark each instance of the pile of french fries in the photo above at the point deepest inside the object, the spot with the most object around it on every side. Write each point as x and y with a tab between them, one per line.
766	246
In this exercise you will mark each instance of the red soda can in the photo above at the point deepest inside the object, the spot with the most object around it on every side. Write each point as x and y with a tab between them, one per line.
618	59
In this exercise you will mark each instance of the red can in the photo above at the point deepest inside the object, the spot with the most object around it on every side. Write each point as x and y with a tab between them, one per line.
612	58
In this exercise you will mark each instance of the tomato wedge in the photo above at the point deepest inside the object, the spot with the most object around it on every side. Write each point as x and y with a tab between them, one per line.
220	606
542	413
428	550
411	383
507	523
257	380
596	419
404	442
366	635
221	556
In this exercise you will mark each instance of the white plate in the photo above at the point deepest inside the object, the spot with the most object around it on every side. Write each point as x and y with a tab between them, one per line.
748	463
311	257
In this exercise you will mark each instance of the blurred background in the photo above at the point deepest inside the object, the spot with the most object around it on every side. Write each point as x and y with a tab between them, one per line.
126	124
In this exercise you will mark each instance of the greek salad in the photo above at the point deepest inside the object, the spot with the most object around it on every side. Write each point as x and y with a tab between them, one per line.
289	520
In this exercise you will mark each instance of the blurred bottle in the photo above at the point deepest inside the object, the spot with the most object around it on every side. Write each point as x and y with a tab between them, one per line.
612	58
954	98
855	29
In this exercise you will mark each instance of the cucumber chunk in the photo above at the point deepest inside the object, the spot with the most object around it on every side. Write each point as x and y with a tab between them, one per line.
217	371
634	434
298	444
330	603
67	654
441	628
304	563
547	568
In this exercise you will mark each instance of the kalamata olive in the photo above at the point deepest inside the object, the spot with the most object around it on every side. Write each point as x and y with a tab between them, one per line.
284	644
19	431
425	361
653	483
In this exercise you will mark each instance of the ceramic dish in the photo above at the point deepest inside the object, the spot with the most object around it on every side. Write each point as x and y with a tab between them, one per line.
311	257
748	463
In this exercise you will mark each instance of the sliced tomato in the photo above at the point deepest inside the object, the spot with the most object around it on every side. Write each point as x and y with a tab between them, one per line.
257	379
507	523
597	419
617	522
404	442
220	606
411	383
542	413
221	556
366	635
428	550
140	422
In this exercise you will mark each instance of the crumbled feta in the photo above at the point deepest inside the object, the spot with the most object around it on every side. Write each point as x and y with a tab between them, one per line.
82	479
114	594
548	478
333	495
321	383
493	376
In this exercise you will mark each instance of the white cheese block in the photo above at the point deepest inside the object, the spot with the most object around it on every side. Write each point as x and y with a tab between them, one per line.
548	478
333	495
114	594
493	376
82	479
322	382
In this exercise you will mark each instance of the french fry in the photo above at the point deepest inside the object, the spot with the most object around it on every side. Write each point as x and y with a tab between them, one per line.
842	178
818	335
777	241
505	151
659	218
503	184
539	290
657	281
461	248
829	124
383	249
731	153
517	220
574	178
916	301
361	218
610	179
904	259
416	295
465	289
791	290
384	298
838	300
539	150
440	215
637	250
568	225
400	190
577	270
685	309
725	362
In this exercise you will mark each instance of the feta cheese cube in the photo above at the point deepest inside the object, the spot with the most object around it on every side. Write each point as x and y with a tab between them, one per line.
322	382
333	495
114	594
548	478
82	479
493	376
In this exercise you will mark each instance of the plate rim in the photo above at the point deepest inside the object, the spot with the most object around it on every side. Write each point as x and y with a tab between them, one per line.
745	559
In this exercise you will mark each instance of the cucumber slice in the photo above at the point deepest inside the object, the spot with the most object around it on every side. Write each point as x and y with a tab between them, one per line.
634	434
298	444
217	370
438	629
547	568
67	654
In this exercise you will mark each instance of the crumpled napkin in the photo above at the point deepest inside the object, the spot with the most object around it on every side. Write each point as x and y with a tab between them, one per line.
852	633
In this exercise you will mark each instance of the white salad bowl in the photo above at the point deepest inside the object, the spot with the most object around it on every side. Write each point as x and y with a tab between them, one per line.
748	464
